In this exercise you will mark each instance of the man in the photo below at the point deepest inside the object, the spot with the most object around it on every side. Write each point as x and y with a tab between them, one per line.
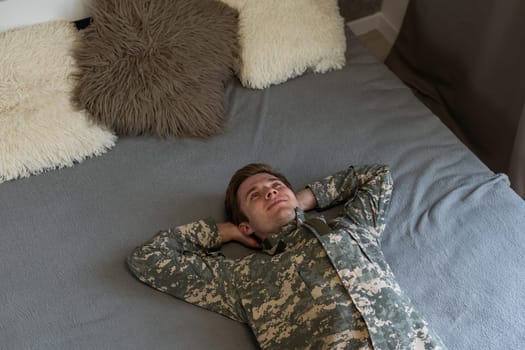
313	285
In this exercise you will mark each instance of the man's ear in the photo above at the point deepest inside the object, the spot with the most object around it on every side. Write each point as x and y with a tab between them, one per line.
245	228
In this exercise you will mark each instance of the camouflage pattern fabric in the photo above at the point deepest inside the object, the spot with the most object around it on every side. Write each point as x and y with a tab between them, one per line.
314	285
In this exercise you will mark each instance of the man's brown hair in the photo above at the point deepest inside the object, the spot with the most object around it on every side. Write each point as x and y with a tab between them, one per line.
233	209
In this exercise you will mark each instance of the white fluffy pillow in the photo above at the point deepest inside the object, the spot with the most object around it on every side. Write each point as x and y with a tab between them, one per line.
39	128
281	39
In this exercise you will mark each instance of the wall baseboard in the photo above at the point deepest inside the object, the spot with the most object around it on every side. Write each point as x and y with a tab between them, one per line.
376	21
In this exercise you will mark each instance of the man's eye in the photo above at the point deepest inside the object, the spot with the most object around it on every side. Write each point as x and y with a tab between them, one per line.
254	195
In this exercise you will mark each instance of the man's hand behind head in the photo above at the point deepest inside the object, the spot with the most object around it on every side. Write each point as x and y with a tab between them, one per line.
230	232
306	199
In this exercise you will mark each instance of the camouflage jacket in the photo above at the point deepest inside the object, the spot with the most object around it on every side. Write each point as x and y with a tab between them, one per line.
313	286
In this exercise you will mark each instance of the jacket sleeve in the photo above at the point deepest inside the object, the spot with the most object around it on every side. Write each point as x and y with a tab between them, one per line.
365	190
184	262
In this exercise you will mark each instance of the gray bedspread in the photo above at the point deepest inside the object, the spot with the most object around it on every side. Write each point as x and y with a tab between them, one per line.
455	235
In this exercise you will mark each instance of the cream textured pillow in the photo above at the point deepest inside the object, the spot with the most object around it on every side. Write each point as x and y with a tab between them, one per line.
281	39
39	128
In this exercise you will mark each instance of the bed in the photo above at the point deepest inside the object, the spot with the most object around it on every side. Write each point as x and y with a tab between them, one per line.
454	236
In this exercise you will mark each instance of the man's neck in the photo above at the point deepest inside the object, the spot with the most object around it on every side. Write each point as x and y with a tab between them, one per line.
295	222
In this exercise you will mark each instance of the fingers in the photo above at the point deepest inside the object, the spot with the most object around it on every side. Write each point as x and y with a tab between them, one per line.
230	232
251	242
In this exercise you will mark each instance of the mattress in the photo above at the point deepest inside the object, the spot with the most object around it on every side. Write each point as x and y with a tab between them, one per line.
454	235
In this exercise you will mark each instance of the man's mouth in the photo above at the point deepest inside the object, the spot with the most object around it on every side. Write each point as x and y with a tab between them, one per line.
276	202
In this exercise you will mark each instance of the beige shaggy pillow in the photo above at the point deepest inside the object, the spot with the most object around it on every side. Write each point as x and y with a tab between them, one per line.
281	39
157	67
39	128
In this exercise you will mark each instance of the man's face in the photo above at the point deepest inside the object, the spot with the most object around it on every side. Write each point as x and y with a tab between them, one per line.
267	204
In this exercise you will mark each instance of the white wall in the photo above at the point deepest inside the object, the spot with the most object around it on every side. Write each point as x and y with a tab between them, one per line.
14	13
388	21
394	12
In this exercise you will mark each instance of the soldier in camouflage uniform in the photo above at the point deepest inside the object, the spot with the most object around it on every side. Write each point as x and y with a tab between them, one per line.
313	285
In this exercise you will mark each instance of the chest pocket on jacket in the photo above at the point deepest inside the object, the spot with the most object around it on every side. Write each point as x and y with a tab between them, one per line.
273	292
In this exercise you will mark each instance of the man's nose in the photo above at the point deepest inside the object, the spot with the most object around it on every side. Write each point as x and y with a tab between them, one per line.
270	193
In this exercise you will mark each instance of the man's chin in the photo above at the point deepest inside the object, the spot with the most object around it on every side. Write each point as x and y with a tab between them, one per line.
286	215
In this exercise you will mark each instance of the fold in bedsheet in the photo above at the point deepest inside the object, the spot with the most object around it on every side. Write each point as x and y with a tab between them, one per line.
454	235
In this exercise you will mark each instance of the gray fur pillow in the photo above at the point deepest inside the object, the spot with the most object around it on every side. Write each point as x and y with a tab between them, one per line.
157	67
